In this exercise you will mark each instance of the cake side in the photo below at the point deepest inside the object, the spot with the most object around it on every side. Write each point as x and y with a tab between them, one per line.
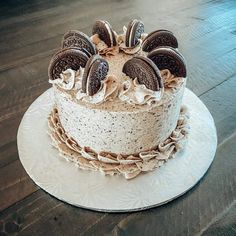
129	166
120	132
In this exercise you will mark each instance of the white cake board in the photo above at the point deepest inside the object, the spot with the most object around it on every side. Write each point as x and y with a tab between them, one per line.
92	190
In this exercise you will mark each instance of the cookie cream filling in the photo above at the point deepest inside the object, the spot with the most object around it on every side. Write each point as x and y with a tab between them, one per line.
109	32
130	35
107	163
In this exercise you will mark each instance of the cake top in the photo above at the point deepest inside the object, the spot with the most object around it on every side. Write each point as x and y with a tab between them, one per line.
132	69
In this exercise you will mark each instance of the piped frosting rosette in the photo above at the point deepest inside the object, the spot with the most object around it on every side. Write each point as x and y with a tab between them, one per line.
134	93
69	79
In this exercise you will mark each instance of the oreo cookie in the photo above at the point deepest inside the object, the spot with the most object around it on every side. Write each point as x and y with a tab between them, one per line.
145	71
64	59
105	32
77	39
169	58
95	71
133	34
159	38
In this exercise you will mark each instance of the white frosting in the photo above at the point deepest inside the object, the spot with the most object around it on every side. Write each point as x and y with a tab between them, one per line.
135	93
68	79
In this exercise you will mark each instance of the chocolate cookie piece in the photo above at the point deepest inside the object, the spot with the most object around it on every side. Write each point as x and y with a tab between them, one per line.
75	38
64	59
159	38
145	71
95	71
169	58
134	31
105	32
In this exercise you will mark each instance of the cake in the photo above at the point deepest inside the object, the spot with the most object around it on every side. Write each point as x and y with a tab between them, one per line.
118	99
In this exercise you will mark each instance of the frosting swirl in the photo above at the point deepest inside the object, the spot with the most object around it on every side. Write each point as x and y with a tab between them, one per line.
68	79
135	93
102	47
170	81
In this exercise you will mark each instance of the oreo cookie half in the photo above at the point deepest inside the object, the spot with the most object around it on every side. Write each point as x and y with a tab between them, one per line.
145	71
95	71
169	58
159	38
64	59
105	32
75	38
134	31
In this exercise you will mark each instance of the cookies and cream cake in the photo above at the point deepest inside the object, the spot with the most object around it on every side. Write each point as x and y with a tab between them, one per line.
118	99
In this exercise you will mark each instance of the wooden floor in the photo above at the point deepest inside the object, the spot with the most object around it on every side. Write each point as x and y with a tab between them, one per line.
30	32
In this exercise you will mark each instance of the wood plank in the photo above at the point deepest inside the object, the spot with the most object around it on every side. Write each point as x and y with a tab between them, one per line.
15	184
8	153
56	217
201	79
222	106
223	225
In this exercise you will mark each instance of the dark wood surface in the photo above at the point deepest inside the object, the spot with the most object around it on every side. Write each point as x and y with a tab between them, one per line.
30	32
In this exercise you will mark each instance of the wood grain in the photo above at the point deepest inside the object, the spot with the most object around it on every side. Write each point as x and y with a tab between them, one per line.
31	32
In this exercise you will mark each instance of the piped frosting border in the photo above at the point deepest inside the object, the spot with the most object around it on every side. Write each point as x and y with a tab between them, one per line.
109	163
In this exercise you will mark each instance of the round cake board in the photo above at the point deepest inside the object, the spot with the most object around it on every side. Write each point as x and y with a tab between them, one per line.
92	190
